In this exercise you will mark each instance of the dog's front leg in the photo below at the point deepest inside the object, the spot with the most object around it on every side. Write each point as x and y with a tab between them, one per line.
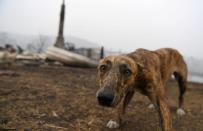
159	101
120	111
164	114
117	121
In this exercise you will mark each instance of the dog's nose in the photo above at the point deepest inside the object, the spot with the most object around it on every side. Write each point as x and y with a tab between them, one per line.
106	97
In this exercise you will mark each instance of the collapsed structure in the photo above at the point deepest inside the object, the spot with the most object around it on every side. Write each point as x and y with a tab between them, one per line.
58	52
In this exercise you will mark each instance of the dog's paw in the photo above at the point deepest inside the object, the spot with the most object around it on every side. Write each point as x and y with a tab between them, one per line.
112	124
151	106
180	112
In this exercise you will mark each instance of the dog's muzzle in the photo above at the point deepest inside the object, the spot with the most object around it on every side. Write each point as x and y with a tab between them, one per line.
105	97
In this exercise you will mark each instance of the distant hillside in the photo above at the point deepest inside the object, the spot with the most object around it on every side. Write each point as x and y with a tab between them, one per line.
24	40
195	67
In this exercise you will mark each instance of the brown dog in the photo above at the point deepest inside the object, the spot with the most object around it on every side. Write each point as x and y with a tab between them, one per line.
146	72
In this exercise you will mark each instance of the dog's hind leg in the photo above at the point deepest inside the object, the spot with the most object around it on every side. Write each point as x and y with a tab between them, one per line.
182	84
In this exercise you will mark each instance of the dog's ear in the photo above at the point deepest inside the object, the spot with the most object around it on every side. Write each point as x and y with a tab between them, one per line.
140	66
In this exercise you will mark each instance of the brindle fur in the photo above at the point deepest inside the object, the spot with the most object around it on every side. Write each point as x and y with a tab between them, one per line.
150	70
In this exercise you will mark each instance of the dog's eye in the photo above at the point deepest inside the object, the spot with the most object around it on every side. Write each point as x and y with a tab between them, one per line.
127	72
103	67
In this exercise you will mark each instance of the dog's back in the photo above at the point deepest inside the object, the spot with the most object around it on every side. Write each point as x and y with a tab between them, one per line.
166	60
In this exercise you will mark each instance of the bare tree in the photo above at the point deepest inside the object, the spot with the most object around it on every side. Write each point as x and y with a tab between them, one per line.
42	40
38	45
31	47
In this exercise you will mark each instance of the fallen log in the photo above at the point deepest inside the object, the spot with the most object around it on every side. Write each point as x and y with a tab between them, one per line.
7	57
31	56
69	58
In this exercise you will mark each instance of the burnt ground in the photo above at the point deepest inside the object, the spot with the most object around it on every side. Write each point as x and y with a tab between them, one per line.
53	98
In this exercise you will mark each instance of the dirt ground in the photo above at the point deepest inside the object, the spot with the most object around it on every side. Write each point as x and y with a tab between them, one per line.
52	98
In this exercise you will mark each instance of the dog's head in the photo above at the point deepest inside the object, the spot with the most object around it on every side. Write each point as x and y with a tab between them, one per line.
117	77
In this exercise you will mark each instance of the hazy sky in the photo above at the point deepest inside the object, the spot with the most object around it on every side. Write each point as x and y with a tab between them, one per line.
116	24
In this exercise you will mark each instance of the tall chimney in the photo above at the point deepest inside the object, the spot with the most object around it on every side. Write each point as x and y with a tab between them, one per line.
60	39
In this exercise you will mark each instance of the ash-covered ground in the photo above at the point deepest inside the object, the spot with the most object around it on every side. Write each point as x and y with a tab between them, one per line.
52	98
